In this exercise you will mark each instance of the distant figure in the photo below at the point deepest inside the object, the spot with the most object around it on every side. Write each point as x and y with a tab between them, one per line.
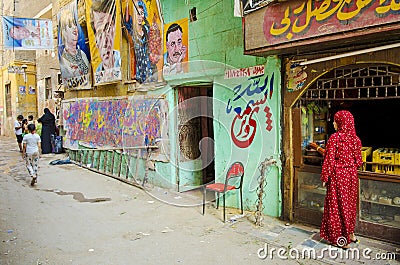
30	119
18	131
31	152
24	127
48	121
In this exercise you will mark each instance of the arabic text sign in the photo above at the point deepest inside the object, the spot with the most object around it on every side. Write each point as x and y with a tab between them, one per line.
245	72
295	20
27	33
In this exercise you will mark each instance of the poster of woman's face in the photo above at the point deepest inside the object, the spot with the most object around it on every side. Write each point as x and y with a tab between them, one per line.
73	52
144	33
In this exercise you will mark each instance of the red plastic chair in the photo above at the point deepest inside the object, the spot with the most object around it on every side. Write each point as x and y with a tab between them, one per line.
236	170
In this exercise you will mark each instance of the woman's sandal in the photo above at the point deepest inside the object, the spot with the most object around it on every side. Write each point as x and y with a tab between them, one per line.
346	247
357	241
33	181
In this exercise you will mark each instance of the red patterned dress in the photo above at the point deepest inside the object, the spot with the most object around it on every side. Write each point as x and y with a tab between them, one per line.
339	170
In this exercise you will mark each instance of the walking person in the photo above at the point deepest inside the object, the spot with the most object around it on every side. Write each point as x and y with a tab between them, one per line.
24	127
18	127
31	152
30	120
339	175
48	122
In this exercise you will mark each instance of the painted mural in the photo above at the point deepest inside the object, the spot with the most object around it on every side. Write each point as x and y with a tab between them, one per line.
250	99
249	129
176	47
144	30
103	16
114	123
73	53
302	19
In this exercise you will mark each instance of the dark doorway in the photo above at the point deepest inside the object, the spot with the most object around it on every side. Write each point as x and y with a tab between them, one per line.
195	127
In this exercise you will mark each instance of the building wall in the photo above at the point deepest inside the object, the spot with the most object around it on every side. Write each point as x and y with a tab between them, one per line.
215	45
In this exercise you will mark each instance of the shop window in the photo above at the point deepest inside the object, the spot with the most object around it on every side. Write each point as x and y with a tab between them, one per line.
47	83
380	202
371	92
59	79
8	100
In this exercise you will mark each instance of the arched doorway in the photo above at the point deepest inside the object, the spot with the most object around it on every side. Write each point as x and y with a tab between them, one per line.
371	91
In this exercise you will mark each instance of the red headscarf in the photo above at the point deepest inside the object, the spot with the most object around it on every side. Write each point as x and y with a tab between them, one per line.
345	122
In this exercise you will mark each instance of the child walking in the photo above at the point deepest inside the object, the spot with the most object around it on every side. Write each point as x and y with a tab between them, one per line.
31	152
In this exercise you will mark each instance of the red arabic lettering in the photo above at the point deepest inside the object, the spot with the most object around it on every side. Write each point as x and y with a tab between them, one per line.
247	130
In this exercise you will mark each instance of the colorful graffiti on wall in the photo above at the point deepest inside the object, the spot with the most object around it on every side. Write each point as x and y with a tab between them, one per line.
113	123
247	101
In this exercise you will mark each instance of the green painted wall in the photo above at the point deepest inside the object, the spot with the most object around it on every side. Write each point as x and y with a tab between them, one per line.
215	45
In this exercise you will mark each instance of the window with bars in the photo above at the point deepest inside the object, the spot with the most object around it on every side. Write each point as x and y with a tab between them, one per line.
357	82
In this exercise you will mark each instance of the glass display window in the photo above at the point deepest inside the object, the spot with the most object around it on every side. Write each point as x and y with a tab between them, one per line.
311	194
380	202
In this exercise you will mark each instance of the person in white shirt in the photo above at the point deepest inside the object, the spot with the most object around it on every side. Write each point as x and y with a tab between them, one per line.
18	131
31	152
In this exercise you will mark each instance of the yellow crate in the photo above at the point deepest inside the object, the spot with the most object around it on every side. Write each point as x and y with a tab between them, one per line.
389	156
365	154
386	169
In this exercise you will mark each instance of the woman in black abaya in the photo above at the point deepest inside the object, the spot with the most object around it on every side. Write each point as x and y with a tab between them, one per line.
48	121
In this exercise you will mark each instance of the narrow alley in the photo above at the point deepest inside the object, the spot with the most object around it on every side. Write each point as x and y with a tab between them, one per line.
75	216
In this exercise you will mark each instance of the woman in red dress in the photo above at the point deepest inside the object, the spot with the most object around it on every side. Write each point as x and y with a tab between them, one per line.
339	174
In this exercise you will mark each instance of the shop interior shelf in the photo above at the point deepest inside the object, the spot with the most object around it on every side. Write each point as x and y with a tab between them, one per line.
376	202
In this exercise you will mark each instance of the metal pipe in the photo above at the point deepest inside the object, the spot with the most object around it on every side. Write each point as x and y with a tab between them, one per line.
333	57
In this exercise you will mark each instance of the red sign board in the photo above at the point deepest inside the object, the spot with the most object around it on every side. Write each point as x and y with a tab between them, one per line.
298	20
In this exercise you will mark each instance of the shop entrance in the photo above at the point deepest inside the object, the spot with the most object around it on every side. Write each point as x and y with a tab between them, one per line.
195	136
371	92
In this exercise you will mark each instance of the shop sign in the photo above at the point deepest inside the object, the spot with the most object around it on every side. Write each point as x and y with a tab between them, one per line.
251	5
299	20
296	76
245	72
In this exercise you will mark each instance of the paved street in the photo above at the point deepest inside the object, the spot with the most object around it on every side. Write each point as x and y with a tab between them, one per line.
76	216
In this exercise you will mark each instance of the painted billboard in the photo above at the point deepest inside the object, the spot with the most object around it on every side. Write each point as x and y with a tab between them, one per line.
176	47
27	33
103	24
144	31
298	20
73	53
123	122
